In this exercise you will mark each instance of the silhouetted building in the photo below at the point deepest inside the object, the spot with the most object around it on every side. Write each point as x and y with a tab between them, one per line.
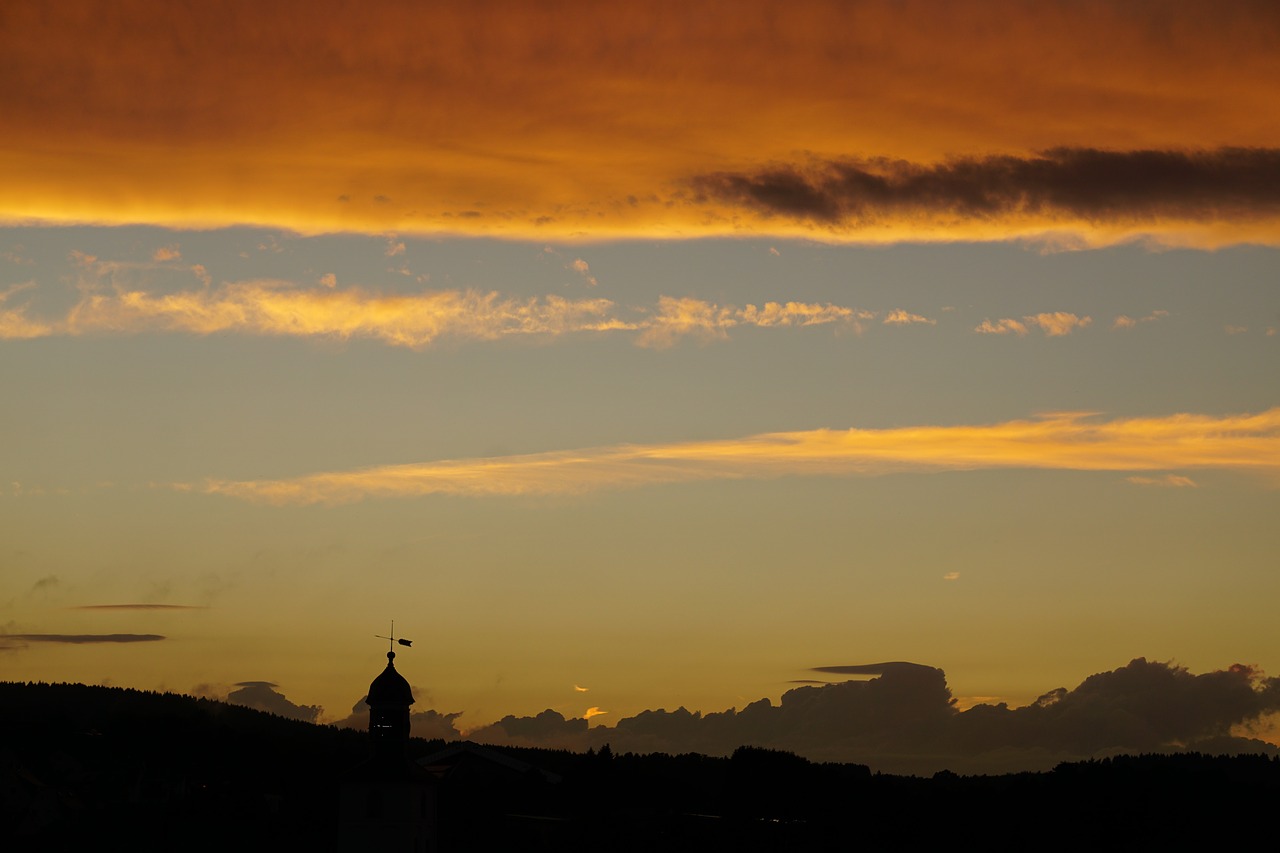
388	803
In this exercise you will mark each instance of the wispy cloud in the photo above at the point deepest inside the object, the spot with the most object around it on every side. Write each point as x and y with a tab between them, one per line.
14	322
1063	441
1059	323
81	639
1053	323
583	269
1124	321
679	317
277	309
1004	326
1176	481
899	317
138	607
416	320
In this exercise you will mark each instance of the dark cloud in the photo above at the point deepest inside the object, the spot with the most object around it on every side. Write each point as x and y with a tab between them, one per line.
262	696
1090	183
138	607
428	724
1140	707
904	720
897	666
547	726
78	639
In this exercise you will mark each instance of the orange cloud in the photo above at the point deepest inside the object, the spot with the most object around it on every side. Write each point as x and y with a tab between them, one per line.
679	317
414	320
266	308
1245	443
899	317
14	322
1124	321
1059	323
1054	324
586	120
1004	326
581	268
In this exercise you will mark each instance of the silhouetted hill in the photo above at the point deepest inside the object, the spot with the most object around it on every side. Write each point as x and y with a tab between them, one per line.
166	771
105	768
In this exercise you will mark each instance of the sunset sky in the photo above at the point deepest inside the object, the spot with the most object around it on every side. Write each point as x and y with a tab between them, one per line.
635	356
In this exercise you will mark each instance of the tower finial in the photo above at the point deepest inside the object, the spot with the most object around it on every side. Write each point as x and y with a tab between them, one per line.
391	654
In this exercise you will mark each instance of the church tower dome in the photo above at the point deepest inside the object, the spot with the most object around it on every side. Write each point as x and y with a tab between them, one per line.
389	699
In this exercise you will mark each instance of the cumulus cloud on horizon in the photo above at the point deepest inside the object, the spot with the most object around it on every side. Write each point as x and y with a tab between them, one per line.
425	723
905	719
263	696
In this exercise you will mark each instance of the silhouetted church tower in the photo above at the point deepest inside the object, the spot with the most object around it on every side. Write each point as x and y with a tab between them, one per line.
389	699
388	803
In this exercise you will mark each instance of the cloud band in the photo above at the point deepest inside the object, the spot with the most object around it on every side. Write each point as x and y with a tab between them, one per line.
1247	443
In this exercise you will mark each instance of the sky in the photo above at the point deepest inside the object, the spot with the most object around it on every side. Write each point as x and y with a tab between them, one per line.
642	357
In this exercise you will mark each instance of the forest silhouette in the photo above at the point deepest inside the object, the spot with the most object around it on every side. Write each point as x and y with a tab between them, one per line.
86	766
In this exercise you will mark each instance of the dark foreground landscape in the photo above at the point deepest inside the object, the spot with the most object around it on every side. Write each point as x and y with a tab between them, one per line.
108	768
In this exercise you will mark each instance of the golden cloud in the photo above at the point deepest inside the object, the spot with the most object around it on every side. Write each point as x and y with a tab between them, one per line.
413	320
586	120
1245	443
269	308
14	322
900	317
1003	326
1054	324
679	317
1058	323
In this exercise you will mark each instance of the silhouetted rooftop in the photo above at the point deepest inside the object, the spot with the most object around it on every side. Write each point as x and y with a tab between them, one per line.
390	688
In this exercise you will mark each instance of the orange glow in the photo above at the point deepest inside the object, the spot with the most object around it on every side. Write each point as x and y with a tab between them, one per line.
590	121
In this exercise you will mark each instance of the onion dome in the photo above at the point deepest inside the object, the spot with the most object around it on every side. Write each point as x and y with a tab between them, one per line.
390	688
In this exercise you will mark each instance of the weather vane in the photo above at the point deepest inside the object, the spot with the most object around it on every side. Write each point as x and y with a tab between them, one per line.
393	639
